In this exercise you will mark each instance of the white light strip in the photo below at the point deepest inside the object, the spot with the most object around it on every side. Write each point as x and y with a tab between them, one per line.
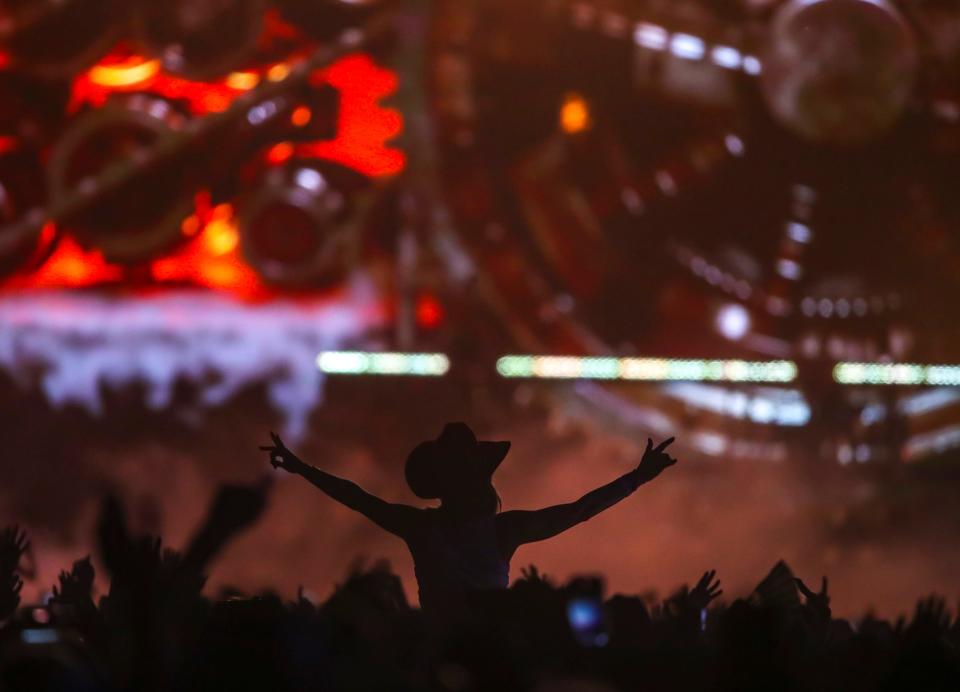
789	269
682	45
767	406
752	65
650	36
367	363
897	374
687	46
929	401
799	232
734	145
727	56
645	369
935	442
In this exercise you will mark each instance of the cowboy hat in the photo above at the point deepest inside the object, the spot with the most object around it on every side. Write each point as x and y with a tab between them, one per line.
432	464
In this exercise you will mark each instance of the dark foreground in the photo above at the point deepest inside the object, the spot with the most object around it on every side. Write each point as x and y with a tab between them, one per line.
154	631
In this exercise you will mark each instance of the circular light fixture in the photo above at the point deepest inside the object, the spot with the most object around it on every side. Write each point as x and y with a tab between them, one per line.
137	220
733	321
839	71
295	227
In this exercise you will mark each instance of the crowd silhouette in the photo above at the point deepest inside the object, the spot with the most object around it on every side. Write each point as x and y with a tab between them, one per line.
153	628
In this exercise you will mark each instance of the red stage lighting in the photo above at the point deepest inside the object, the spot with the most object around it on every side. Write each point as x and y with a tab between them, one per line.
429	312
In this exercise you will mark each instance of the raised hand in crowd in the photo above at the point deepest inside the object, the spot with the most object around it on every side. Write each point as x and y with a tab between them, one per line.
931	620
705	591
234	508
654	460
679	617
817	603
76	586
10	585
13	545
690	601
815	610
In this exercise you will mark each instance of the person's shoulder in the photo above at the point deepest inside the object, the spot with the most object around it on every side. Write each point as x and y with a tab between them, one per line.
511	516
406	519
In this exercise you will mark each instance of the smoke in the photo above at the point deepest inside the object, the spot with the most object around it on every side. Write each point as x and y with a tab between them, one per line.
81	344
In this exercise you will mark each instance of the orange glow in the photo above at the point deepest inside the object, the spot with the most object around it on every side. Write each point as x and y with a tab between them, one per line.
211	258
190	226
574	114
278	72
301	116
135	73
132	72
221	235
222	212
242	81
280	153
200	98
71	265
234	276
207	261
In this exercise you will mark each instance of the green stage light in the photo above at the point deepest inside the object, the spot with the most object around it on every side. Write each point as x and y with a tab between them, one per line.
645	369
370	363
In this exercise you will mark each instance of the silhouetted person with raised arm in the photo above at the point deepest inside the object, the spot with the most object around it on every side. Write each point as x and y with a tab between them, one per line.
466	543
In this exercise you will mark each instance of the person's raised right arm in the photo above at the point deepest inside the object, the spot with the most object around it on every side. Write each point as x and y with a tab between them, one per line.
395	518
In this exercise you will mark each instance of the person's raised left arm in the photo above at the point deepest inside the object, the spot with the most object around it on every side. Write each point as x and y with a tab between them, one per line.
517	527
